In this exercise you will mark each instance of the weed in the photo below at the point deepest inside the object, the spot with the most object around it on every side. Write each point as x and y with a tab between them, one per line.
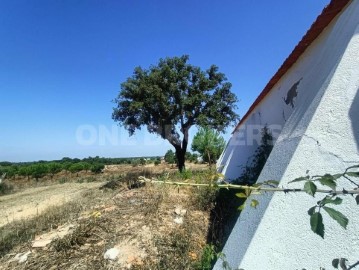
208	258
185	174
63	180
80	180
90	179
204	198
173	251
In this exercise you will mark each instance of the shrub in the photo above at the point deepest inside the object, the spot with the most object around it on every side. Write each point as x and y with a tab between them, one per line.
97	168
5	188
255	164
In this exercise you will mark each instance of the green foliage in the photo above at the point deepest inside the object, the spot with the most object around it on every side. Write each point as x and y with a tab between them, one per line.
170	157
310	188
185	174
255	164
157	162
25	171
54	168
142	161
316	223
328	180
337	216
38	171
208	258
11	171
76	168
171	97
85	166
192	157
209	144
135	162
97	168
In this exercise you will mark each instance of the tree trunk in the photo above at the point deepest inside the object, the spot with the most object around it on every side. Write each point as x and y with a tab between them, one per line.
180	155
209	159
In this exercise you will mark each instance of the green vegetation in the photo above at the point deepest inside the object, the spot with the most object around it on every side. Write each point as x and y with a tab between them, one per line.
5	188
171	97
209	143
255	164
40	169
170	157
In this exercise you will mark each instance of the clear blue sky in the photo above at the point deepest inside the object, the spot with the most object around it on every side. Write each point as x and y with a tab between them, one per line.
62	62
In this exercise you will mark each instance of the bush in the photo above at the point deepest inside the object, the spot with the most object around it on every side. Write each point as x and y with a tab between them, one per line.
157	162
135	162
97	168
170	157
5	188
38	171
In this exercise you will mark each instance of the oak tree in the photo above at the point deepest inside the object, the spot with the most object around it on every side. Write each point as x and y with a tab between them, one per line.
171	97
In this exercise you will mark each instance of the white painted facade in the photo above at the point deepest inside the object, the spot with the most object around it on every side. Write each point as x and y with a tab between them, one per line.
320	133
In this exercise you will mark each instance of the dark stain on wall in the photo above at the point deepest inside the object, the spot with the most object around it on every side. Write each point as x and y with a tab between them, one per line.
291	94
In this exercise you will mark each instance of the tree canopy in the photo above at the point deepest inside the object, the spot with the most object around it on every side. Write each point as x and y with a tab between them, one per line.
171	97
209	143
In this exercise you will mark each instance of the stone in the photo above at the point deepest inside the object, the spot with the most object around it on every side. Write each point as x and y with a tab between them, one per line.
180	212
178	220
111	254
21	257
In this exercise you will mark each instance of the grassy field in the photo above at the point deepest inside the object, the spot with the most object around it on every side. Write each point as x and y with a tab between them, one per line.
81	217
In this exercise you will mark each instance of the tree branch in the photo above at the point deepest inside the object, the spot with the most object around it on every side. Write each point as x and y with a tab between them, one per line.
143	179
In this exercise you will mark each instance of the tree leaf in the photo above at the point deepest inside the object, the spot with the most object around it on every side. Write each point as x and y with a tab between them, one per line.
240	208
248	192
299	179
328	180
335	263
337	216
254	203
328	200
311	210
316	224
272	182
310	188
241	195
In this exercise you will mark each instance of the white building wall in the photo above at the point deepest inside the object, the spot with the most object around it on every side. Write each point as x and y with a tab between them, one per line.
320	134
312	69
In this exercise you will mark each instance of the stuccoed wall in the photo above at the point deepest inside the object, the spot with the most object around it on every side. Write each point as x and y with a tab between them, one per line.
320	134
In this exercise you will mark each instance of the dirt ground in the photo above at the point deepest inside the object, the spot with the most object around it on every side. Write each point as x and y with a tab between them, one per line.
150	226
33	201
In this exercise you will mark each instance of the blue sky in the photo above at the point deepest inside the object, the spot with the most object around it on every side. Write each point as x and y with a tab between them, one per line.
62	62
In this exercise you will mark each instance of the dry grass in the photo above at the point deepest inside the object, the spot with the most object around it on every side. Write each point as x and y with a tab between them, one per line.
22	231
139	220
